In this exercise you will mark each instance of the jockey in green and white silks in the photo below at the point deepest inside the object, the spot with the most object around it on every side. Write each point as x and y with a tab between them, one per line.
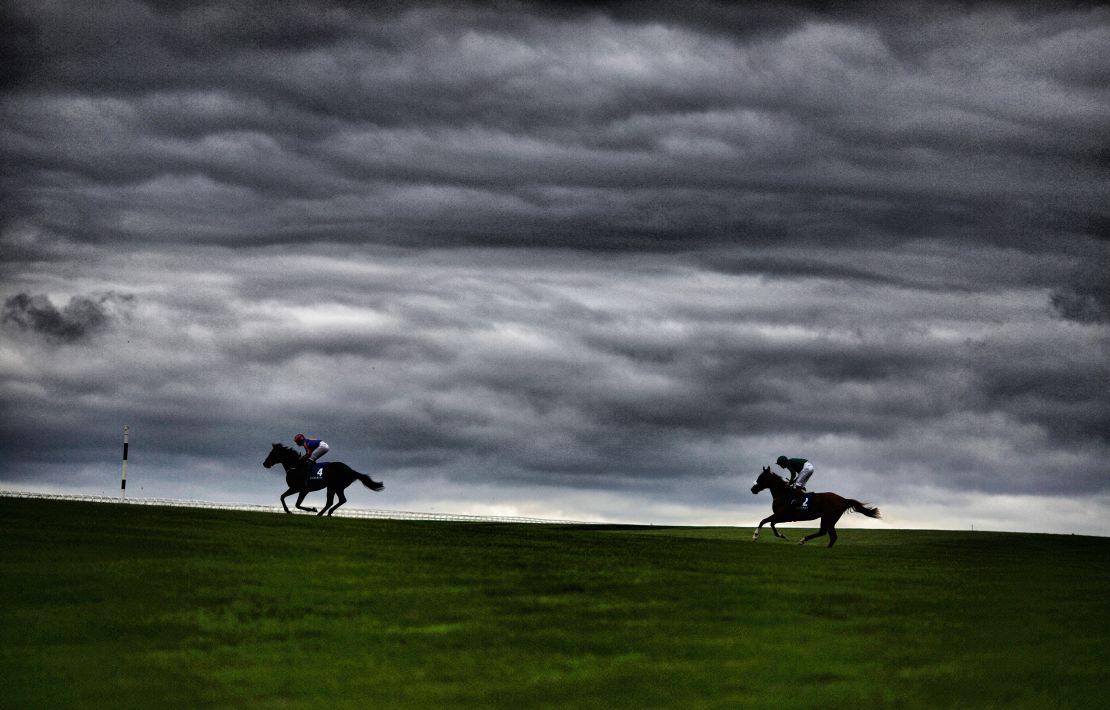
800	470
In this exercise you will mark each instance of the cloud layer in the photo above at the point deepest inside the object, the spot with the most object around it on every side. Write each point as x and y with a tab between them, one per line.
547	250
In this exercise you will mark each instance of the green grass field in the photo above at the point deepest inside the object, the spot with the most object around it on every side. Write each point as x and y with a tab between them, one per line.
131	606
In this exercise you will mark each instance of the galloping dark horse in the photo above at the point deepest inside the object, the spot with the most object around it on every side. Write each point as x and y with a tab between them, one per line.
827	506
337	476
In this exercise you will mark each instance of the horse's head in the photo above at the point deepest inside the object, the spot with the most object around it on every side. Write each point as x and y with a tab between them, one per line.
277	454
764	480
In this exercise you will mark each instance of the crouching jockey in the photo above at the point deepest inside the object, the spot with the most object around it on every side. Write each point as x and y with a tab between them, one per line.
800	472
313	449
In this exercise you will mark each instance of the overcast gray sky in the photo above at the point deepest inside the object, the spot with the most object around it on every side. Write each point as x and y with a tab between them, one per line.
600	263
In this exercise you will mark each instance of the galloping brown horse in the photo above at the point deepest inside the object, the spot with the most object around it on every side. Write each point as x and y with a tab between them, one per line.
826	506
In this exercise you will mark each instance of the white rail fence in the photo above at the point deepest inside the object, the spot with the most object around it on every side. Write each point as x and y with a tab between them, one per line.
343	512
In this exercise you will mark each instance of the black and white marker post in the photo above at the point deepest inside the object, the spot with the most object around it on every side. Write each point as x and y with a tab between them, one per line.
123	479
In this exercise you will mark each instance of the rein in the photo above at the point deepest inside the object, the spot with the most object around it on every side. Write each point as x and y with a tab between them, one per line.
290	460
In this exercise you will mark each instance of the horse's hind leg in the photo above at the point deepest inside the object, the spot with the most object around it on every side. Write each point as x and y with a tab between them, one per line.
342	500
819	533
829	523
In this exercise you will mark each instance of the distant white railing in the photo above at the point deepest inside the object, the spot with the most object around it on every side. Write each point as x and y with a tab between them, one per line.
343	512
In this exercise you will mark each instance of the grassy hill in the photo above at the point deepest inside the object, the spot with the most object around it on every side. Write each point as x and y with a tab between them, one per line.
129	606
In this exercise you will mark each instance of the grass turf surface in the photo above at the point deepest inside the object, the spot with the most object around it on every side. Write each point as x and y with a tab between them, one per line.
131	606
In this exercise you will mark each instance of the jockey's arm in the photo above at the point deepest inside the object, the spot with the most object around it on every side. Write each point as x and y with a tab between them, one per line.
793	474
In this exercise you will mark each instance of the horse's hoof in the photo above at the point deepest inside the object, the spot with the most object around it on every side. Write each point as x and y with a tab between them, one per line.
801	543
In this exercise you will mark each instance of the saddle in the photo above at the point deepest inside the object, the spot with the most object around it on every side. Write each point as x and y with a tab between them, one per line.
315	471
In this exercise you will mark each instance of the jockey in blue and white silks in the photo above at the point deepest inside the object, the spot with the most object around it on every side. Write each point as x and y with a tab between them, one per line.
313	448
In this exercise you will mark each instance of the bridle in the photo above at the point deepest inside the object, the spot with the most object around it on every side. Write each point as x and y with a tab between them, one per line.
286	461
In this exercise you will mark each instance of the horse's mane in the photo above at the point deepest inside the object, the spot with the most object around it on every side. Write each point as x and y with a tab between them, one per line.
285	448
783	480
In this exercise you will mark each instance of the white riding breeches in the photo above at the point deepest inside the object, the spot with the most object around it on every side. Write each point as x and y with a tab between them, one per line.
323	449
803	475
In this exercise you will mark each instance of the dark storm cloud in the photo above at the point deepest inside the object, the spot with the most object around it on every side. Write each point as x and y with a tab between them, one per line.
612	127
78	319
1086	296
1086	305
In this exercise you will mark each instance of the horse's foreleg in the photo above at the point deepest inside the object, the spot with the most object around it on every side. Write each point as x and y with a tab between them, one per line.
331	497
776	530
300	499
283	497
342	500
768	519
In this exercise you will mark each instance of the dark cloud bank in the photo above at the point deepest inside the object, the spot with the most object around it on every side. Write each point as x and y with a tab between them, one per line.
81	318
597	261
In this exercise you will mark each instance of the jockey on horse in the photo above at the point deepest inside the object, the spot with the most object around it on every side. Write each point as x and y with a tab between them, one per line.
800	472
826	507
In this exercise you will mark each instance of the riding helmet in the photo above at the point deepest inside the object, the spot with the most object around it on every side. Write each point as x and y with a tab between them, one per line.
299	439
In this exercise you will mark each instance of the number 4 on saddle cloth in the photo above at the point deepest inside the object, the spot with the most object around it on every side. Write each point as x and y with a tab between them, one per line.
315	470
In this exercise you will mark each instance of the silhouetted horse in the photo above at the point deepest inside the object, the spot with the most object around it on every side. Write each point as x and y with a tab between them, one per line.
827	506
337	476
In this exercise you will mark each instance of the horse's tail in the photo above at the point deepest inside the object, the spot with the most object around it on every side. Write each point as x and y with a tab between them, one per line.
367	481
856	506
